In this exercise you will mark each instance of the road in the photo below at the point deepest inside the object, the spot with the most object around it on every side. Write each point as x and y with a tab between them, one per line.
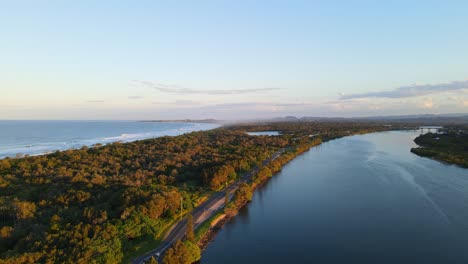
200	214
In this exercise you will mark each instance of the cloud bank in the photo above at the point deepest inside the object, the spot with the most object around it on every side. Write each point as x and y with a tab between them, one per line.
411	91
182	90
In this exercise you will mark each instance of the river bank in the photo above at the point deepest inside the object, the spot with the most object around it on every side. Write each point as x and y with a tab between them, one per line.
218	220
450	146
134	190
361	199
218	208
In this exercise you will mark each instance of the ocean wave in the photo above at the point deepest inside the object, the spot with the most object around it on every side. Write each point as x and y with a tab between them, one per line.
40	148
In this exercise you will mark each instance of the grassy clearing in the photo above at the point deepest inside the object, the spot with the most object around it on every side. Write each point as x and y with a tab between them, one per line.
205	226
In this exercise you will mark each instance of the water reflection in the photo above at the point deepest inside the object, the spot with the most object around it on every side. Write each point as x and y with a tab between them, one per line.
361	199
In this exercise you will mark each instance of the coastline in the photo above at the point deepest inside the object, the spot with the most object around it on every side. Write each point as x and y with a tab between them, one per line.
21	148
200	121
267	154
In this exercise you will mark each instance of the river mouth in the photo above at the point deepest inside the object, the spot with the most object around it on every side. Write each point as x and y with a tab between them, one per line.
359	199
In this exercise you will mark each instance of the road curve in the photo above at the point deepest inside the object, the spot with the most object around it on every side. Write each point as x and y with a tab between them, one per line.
211	206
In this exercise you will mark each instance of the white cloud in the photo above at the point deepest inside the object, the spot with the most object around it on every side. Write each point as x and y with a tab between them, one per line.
412	91
175	89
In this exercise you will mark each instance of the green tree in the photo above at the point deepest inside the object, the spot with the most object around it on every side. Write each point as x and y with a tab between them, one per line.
243	194
177	254
170	257
230	210
98	204
6	231
5	164
152	261
193	250
24	209
155	206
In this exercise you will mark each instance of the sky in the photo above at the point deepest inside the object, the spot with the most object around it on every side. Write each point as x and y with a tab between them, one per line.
231	59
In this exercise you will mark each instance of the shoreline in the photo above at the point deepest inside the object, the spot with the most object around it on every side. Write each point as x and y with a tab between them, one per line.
237	240
257	159
274	166
199	211
422	152
449	147
53	147
217	223
201	121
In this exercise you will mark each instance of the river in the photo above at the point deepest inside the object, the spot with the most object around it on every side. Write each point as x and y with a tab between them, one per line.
358	199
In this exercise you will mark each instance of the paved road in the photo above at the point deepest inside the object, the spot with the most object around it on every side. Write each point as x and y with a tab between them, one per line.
200	214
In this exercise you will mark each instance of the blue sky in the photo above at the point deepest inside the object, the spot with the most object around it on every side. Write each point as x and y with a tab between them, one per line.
231	59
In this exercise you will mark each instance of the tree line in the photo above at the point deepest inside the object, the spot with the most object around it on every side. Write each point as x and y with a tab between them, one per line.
450	145
97	205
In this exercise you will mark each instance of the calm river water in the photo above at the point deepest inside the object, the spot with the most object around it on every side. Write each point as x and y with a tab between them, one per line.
359	199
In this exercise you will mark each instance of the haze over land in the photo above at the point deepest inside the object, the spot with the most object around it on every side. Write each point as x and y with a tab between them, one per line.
236	60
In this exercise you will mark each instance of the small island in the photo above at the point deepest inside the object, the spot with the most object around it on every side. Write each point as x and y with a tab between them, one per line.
449	145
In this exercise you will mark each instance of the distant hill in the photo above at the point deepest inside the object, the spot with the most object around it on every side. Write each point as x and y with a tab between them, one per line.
423	119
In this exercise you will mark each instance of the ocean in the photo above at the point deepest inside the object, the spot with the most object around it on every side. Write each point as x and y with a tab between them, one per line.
19	138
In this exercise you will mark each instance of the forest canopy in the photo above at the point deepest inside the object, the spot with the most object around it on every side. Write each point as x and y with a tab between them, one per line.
95	205
450	145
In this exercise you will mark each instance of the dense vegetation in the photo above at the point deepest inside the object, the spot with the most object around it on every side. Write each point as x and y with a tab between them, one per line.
324	130
186	251
451	145
98	205
93	204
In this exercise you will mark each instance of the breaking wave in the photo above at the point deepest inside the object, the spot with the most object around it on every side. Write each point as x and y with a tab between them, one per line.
40	146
